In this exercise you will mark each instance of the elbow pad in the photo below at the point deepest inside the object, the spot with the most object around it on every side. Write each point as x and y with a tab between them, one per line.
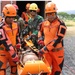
62	30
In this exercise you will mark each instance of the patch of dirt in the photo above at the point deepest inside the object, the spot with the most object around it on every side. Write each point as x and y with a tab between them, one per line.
70	31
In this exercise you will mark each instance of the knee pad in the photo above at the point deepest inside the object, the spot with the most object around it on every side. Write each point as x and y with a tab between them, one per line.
14	70
2	71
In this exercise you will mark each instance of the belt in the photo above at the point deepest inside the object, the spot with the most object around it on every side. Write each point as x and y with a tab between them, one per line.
1	48
57	49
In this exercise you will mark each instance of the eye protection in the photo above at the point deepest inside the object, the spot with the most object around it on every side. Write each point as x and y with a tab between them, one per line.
32	11
50	14
11	16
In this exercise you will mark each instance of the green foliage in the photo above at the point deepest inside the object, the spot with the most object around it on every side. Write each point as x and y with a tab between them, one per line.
64	15
69	19
69	22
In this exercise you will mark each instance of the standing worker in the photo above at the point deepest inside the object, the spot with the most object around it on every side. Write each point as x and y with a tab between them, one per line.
26	15
0	18
54	31
33	22
9	40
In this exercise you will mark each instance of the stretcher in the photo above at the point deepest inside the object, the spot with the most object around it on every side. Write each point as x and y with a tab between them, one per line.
31	45
33	67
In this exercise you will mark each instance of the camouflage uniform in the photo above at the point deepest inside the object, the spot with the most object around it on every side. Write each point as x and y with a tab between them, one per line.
33	25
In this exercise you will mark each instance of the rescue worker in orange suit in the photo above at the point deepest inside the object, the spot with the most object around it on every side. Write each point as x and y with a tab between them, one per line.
0	18
53	30
26	15
9	40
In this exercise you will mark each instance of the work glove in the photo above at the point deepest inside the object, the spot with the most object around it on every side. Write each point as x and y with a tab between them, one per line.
40	53
18	46
43	50
41	42
15	59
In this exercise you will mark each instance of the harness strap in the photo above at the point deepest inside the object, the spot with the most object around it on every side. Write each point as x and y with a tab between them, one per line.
1	48
57	49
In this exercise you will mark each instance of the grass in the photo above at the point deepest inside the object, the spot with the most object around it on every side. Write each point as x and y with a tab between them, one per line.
69	22
70	27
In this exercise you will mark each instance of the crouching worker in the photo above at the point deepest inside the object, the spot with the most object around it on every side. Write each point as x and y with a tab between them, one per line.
8	40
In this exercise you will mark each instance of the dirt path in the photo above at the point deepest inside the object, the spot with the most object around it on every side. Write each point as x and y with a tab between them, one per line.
70	31
69	44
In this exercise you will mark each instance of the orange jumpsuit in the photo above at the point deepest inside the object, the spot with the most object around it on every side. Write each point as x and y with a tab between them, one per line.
0	18
25	16
53	38
8	38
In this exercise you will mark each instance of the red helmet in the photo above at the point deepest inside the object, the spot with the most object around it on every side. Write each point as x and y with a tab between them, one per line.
16	6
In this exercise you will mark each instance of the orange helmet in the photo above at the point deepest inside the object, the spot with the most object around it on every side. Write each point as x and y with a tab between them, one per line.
9	10
16	6
50	7
27	5
38	10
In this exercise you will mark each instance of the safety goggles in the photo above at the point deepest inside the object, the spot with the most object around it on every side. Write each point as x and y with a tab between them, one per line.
32	11
11	16
50	14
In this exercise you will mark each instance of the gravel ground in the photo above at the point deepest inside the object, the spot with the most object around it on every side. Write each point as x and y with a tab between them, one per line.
69	44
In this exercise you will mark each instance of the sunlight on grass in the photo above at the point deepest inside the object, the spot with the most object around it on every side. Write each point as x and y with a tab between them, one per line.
69	22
